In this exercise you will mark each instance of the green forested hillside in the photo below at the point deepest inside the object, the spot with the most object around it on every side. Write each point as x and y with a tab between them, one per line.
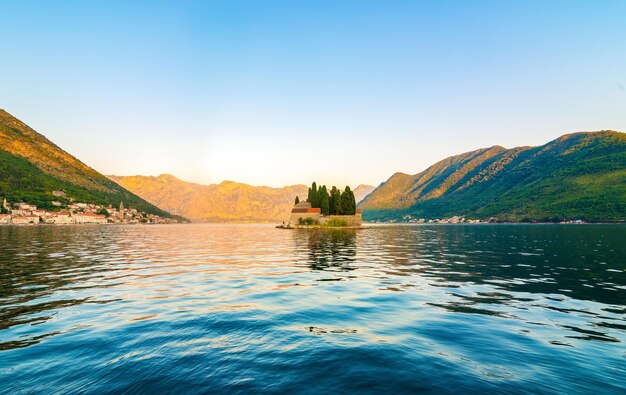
31	167
577	176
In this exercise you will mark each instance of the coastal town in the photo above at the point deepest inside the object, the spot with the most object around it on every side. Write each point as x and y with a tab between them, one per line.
459	219
75	213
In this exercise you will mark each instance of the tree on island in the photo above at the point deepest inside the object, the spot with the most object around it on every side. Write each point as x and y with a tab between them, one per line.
352	202
324	200
348	202
333	203
314	196
297	200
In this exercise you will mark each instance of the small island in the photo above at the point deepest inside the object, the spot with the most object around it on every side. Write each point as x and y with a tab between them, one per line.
325	209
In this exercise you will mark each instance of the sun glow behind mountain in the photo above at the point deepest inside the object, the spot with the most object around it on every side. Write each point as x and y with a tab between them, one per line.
258	161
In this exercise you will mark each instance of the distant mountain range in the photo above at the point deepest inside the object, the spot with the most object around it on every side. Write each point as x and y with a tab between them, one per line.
577	176
32	167
362	191
225	202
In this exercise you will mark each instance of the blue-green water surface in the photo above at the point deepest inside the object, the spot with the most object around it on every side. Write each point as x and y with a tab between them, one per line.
253	309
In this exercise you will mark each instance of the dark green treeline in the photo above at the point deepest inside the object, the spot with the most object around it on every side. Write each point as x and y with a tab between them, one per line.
333	202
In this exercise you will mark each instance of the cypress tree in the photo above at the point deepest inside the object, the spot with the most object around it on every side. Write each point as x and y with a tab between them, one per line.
318	197
315	196
344	206
297	200
348	202
335	207
324	200
352	203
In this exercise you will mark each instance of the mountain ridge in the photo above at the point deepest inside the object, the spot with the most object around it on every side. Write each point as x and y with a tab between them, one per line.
516	184
227	201
361	192
32	167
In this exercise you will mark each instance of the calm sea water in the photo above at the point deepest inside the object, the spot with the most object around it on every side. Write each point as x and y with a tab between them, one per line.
391	309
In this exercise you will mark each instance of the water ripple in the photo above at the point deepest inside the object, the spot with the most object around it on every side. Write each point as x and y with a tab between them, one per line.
222	308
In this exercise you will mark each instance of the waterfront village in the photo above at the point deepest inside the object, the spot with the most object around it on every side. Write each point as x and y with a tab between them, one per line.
76	213
452	220
458	219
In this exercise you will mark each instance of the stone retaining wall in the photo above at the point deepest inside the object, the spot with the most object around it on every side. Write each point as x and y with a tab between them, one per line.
294	219
351	220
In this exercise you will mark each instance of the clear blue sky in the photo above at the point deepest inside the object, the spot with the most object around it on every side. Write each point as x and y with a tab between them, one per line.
276	93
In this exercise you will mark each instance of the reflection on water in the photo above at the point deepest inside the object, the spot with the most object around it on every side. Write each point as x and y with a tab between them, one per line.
328	249
502	308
